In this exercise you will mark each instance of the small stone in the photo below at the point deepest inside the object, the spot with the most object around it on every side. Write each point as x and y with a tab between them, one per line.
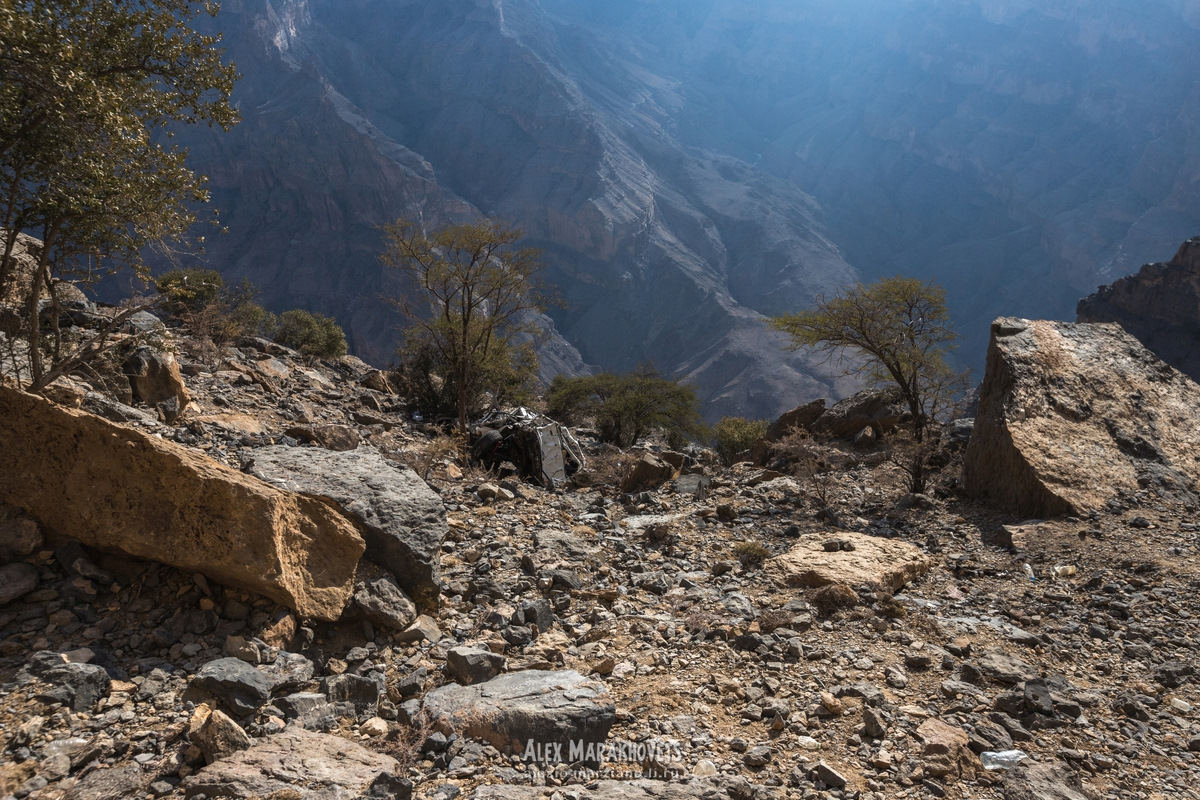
829	776
17	580
374	727
758	756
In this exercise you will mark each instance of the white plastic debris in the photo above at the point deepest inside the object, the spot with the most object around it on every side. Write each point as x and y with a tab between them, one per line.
1002	759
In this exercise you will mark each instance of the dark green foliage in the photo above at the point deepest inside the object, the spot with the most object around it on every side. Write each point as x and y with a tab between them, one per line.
314	335
200	300
625	408
189	290
734	435
86	88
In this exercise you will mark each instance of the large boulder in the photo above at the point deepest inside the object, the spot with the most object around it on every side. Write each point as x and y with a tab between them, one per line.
880	409
298	764
117	489
155	380
860	559
402	520
1071	414
509	711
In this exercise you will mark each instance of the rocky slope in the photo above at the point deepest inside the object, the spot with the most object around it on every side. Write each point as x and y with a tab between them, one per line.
733	633
1160	305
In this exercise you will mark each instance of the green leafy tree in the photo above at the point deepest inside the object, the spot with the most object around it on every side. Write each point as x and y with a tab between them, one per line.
473	289
900	329
734	435
314	335
89	90
625	408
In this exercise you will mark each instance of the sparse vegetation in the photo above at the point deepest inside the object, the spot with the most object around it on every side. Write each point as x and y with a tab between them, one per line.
625	408
467	315
85	87
751	553
900	331
314	335
735	435
201	302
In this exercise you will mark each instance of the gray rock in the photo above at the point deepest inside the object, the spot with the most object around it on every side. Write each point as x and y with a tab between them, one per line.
1004	668
19	537
78	686
510	710
469	665
828	775
118	783
237	686
305	764
288	670
402	520
879	409
383	603
359	691
1049	780
312	709
17	580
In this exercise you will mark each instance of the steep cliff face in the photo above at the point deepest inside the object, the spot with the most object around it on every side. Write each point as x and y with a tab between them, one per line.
1160	305
663	254
1018	152
692	165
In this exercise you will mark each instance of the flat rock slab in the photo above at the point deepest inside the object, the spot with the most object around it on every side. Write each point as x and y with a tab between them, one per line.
402	520
116	489
882	562
311	765
694	789
509	711
1072	414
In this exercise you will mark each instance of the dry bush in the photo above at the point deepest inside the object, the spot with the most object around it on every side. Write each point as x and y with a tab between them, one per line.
833	598
605	469
776	618
422	457
405	744
751	553
810	461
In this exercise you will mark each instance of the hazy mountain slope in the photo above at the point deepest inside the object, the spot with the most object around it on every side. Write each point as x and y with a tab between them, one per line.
1018	152
689	165
664	255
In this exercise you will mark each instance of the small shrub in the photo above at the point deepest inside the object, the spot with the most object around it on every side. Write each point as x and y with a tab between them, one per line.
313	334
776	618
832	598
734	435
189	290
624	408
752	553
424	457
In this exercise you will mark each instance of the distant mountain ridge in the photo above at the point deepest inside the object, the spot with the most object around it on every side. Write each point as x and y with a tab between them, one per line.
689	167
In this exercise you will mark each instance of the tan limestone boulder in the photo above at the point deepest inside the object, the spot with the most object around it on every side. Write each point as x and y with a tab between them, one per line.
875	561
1071	414
945	752
116	489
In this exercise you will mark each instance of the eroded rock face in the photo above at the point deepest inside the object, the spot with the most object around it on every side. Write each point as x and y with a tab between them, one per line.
156	500
1160	305
883	562
1072	414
